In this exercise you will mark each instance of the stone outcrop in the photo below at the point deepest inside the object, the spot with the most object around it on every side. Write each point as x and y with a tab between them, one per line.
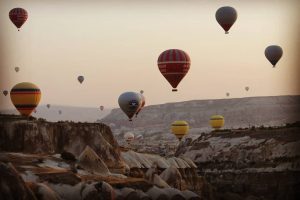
91	162
182	169
18	134
12	186
74	161
243	162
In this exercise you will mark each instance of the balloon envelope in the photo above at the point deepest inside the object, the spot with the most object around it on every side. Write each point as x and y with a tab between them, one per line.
228	94
129	136
25	96
139	137
142	91
143	104
5	92
217	121
130	102
174	65
180	129
247	88
18	16
273	53
17	69
101	107
226	16
48	105
80	79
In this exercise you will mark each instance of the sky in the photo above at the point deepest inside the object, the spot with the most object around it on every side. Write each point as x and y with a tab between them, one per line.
115	46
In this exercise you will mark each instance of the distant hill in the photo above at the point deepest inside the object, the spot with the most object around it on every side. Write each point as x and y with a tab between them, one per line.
238	112
70	113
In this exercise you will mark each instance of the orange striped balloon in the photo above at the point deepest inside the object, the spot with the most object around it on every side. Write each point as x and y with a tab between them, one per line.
25	97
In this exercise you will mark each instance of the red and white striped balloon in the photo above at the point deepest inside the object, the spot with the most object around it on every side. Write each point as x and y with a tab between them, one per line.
174	65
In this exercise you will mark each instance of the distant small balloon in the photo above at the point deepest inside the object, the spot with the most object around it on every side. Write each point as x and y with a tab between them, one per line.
273	53
142	91
48	105
228	94
139	137
101	108
60	112
247	88
17	69
128	137
80	79
5	92
180	129
217	121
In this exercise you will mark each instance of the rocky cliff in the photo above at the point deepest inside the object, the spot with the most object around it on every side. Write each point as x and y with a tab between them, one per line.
18	134
82	161
263	162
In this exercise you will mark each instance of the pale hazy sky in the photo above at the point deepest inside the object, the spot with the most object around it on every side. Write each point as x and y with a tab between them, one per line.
115	46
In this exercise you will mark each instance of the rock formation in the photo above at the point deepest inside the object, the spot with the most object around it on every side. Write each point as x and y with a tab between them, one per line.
18	134
91	162
243	162
67	161
12	186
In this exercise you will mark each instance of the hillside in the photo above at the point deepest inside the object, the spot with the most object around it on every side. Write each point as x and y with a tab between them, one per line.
238	112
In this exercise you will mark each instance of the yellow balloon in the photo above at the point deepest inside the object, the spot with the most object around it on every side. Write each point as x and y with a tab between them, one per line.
25	97
217	121
180	129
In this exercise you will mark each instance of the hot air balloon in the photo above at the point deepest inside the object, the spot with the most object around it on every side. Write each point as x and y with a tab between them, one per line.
80	79
273	53
60	112
5	92
25	96
226	16
142	106
129	137
130	102
142	91
101	108
48	105
17	69
228	94
18	16
139	137
174	65
217	121
180	129
247	88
